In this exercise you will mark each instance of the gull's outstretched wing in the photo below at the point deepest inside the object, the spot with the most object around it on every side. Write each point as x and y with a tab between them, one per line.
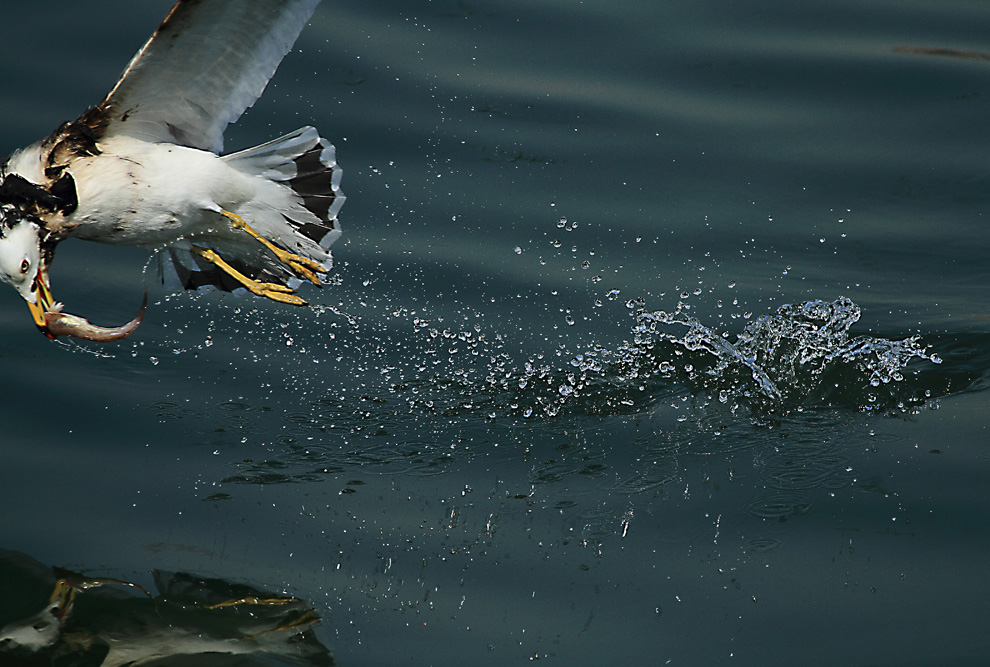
208	61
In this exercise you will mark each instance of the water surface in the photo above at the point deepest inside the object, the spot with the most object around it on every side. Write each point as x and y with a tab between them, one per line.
526	421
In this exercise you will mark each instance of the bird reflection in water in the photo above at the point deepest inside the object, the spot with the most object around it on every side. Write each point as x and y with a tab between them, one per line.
109	622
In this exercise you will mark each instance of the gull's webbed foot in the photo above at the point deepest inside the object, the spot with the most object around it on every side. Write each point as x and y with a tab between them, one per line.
303	267
272	291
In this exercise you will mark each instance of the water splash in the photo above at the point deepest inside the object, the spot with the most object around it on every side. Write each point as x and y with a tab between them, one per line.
800	355
406	391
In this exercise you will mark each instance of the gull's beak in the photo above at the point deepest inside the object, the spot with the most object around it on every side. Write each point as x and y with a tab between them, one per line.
42	303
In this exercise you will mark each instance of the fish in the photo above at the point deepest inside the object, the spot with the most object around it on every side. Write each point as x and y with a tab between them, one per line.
58	323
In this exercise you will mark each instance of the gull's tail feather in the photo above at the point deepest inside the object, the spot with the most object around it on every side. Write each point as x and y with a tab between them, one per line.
295	206
306	164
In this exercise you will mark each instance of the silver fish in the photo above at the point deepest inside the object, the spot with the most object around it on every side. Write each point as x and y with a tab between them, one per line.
58	323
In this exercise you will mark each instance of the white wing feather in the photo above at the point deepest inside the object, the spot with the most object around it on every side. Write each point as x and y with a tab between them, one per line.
208	61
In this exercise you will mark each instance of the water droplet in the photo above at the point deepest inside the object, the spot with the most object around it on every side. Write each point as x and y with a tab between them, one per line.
517	250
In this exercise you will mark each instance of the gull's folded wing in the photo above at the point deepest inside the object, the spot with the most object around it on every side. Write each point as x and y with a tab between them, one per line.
207	62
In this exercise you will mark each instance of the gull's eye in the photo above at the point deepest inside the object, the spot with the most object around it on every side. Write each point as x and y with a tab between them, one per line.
25	266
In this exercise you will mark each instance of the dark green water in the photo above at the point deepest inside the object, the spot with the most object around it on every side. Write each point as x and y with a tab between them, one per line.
426	461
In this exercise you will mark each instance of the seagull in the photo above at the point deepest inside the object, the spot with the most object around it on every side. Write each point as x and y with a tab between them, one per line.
145	167
85	620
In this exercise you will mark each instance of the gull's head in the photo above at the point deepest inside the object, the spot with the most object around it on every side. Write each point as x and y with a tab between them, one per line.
22	262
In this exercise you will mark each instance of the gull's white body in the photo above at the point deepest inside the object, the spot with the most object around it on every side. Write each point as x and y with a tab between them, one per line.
156	194
149	194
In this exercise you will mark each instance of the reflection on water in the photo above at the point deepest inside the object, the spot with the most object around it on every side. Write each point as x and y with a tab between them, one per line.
109	622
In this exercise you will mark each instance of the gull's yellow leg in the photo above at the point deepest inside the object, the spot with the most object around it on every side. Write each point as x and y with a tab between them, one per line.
307	618
253	600
273	291
303	266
